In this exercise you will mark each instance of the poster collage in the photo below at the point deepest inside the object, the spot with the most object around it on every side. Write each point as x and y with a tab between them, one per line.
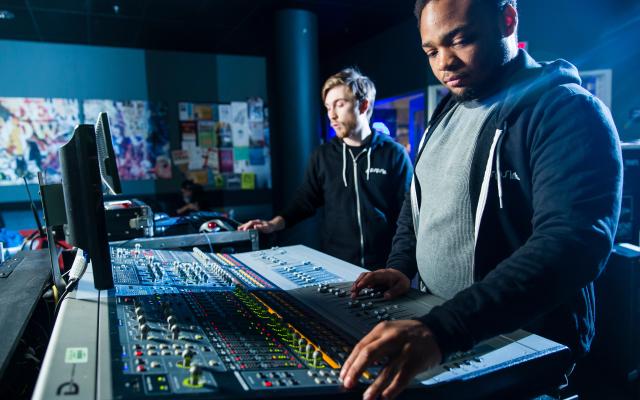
225	145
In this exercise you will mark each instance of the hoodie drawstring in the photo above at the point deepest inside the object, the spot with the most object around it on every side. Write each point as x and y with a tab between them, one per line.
498	170
344	164
368	161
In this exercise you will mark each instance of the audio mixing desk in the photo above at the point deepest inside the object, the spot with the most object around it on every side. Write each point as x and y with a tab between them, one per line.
269	323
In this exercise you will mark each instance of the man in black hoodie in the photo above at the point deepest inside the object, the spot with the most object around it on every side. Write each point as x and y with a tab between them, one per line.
360	177
513	205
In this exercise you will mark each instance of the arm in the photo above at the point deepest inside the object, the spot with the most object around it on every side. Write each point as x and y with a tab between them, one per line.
273	225
576	187
307	198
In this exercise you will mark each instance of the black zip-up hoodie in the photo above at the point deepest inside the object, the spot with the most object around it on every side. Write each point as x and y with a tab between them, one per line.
360	208
546	183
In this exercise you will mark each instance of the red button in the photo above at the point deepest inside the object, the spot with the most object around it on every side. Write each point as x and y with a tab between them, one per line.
138	353
141	368
267	383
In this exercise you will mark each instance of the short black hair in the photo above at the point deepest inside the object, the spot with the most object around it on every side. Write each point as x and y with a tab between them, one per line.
497	5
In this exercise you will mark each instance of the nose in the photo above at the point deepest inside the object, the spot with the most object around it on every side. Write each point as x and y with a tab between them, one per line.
331	113
447	60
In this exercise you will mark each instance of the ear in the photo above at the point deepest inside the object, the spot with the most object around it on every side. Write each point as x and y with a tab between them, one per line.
363	106
509	21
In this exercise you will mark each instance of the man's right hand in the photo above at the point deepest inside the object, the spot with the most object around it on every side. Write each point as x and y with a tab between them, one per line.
393	281
263	226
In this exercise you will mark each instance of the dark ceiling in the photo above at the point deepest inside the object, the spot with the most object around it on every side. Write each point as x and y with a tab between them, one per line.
216	26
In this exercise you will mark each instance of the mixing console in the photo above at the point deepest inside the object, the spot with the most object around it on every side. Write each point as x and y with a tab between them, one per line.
293	267
198	325
138	272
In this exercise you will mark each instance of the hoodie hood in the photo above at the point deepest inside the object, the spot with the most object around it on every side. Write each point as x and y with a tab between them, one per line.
532	80
526	80
373	141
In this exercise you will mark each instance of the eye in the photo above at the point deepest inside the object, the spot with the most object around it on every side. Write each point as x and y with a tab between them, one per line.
431	53
462	41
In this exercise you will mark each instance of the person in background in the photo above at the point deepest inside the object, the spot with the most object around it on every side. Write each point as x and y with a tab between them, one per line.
360	177
514	202
193	198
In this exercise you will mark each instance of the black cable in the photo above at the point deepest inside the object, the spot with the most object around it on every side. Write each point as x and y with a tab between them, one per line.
70	286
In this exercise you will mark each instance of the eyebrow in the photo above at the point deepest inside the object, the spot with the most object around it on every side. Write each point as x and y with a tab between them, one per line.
338	99
448	37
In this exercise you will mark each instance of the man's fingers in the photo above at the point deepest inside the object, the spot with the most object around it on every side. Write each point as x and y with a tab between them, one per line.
361	360
370	279
356	283
382	381
398	383
258	224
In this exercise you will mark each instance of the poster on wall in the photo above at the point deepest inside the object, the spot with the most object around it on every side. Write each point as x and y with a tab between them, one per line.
31	131
139	133
230	141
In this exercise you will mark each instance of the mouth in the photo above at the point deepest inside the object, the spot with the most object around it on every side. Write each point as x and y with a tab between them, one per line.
455	81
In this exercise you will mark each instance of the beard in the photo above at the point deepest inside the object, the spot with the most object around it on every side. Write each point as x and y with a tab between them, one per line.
492	81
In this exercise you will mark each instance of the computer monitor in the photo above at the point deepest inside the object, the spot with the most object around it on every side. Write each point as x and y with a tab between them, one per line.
106	156
82	188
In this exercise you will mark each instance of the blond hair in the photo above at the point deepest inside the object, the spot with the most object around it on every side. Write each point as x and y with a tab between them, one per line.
360	86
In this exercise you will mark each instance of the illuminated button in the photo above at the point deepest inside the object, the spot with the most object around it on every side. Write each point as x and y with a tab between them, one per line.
138	353
319	381
152	353
198	337
166	352
164	346
331	381
154	364
322	373
267	383
151	347
177	347
311	373
141	368
260	375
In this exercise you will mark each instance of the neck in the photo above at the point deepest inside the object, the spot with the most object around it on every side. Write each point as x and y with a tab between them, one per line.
358	135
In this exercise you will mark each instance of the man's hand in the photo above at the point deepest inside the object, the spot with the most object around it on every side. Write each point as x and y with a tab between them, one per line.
263	226
395	282
410	348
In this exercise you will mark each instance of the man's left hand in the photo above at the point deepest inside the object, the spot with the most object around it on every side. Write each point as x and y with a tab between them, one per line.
410	348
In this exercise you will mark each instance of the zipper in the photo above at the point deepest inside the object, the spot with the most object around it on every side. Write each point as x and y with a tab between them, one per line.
355	185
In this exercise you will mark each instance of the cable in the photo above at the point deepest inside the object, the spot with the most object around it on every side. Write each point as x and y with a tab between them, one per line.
70	286
209	241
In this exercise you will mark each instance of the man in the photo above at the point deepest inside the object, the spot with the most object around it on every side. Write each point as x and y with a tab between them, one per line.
514	200
360	177
193	197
